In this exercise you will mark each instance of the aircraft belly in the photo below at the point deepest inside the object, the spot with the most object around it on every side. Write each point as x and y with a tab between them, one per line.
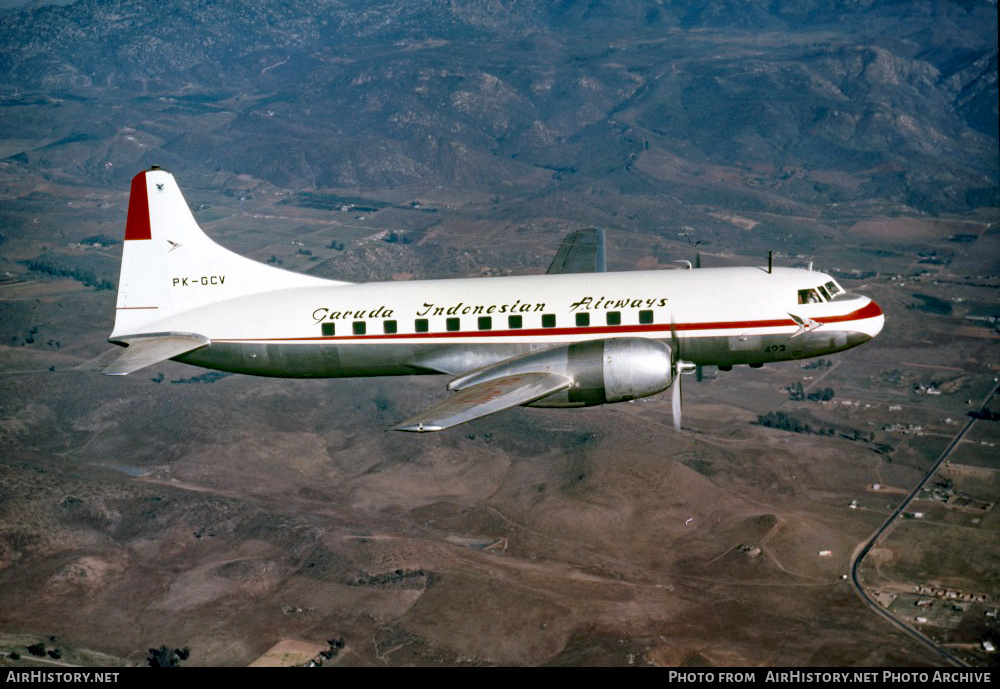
759	349
279	360
338	360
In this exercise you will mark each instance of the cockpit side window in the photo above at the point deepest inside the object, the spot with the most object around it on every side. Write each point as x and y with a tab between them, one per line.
808	296
833	288
822	290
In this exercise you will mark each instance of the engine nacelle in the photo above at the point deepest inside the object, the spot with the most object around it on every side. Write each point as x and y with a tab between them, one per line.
603	371
615	370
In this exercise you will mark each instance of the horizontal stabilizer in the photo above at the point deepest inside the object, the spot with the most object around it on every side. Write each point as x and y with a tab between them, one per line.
146	350
582	251
487	398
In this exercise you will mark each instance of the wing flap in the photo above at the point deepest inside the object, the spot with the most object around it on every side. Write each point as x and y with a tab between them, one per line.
581	251
146	350
486	398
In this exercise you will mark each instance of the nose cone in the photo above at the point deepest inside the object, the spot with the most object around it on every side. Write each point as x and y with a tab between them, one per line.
870	319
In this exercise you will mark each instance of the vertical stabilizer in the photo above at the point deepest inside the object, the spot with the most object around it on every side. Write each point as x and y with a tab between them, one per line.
169	265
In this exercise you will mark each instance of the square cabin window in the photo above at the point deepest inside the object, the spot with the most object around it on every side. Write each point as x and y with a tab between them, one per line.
389	327
548	320
329	329
514	322
485	323
645	317
420	325
359	327
614	317
453	324
582	319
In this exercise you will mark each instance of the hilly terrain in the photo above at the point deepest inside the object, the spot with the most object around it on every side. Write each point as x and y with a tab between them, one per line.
899	98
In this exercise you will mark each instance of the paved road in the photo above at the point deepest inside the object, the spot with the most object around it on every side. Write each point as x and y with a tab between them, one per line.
866	547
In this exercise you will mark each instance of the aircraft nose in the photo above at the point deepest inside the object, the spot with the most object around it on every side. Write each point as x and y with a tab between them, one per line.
871	319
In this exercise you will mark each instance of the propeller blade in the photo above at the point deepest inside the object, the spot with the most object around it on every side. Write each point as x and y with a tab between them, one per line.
675	400
675	364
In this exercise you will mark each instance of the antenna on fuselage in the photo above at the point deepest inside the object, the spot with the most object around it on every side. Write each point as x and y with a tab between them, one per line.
690	266
770	261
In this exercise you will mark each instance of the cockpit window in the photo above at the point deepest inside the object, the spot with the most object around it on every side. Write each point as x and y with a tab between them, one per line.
808	296
822	290
833	288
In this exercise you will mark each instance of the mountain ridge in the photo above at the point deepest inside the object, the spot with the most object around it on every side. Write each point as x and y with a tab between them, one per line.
476	95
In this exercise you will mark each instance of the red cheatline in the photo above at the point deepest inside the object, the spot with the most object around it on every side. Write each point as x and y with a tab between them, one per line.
870	311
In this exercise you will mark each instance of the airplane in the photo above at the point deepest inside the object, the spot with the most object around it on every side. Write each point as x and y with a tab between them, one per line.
575	336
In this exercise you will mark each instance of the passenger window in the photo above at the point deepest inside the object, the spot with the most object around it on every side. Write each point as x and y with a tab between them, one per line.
420	325
583	319
645	317
548	320
389	327
329	329
453	324
485	323
808	296
359	327
614	317
514	322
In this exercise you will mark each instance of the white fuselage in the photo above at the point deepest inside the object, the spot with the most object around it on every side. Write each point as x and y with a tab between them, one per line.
716	316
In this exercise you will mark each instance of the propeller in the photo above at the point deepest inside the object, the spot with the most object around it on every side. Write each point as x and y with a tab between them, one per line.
679	368
697	368
675	397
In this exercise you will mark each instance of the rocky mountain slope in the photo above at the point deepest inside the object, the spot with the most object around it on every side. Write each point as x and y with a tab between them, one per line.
898	99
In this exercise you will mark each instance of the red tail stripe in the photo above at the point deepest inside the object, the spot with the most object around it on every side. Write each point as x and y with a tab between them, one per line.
137	225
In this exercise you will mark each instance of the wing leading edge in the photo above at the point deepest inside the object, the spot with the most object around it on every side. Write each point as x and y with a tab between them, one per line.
487	398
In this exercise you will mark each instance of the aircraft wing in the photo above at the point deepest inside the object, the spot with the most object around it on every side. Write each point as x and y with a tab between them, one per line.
486	398
146	350
582	251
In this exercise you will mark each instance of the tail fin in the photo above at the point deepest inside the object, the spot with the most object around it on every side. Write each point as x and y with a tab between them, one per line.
169	265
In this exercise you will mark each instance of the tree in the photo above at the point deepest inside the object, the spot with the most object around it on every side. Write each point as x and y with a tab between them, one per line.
167	657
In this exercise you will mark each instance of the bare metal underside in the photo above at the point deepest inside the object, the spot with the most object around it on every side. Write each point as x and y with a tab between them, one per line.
389	359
